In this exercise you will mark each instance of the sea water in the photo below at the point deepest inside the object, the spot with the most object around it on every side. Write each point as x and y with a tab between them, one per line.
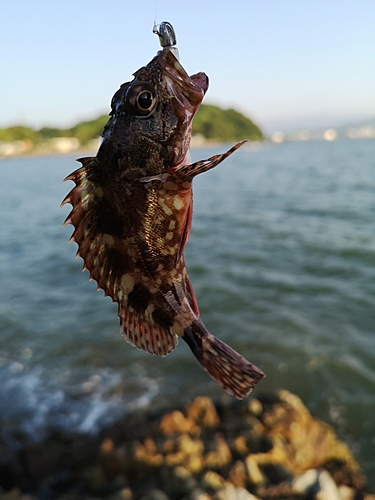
282	259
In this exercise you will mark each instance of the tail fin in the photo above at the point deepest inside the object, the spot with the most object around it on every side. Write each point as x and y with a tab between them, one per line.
230	370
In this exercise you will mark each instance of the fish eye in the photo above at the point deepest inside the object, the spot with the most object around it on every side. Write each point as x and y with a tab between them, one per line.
145	100
139	99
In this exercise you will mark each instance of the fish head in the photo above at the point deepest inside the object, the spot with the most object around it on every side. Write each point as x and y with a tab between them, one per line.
151	116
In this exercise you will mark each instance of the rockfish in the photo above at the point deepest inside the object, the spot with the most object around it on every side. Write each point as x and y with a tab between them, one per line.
132	212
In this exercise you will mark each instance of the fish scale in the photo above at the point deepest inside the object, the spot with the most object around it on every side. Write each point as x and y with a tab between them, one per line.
132	212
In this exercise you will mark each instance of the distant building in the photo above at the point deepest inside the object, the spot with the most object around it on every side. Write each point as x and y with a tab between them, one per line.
366	132
278	137
63	144
13	148
330	134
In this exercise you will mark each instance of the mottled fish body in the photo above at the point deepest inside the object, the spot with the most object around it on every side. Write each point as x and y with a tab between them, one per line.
132	212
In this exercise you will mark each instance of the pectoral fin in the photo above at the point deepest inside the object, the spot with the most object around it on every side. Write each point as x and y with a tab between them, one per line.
184	173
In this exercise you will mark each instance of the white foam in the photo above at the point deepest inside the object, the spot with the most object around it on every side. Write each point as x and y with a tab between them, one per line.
29	399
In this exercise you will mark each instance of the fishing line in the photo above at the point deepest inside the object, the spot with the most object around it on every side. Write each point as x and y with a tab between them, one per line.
156	11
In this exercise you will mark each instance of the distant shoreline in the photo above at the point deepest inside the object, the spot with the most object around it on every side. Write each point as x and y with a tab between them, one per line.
93	152
252	145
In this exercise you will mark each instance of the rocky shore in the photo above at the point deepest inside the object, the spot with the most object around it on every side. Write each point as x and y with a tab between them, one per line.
266	447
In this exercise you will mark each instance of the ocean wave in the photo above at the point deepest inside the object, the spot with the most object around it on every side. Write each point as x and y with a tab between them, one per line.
37	405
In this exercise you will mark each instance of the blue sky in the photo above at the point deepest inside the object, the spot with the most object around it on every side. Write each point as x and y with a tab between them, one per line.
284	63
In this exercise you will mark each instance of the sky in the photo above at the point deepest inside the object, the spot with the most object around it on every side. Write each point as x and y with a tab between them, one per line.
286	64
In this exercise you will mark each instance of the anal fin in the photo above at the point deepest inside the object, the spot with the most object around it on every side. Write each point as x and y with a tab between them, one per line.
143	333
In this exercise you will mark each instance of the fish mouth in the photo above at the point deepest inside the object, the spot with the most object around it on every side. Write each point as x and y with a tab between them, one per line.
188	90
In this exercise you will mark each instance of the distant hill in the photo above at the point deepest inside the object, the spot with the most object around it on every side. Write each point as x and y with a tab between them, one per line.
215	123
83	131
210	123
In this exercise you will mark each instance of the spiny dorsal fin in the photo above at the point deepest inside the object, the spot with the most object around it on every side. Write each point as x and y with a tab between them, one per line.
109	265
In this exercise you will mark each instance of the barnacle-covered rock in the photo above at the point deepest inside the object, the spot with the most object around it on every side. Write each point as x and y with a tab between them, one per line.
268	450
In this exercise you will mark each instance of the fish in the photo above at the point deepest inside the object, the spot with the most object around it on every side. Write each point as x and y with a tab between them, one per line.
132	208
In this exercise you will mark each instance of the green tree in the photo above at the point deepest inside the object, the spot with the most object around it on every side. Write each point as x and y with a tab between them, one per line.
85	131
49	133
224	125
19	133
